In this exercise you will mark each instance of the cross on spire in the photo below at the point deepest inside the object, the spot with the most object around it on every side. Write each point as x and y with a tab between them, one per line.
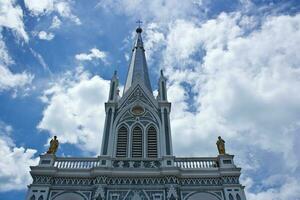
139	22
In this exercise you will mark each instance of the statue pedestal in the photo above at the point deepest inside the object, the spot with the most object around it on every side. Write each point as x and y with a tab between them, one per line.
105	161
226	161
168	161
47	160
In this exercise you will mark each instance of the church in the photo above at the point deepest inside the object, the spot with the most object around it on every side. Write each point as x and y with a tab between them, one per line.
136	161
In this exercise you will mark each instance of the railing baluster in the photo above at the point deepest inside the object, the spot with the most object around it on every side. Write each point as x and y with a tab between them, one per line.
88	163
196	163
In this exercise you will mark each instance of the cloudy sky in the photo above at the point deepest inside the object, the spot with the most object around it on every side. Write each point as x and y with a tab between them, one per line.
233	69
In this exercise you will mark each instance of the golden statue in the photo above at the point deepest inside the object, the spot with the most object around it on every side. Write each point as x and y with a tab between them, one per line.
221	146
53	146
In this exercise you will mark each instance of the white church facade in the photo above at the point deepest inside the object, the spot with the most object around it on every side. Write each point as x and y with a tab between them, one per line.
136	160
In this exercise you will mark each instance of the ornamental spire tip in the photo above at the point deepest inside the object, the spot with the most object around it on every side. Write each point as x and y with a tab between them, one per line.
139	29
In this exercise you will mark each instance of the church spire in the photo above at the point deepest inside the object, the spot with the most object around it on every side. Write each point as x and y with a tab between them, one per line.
138	70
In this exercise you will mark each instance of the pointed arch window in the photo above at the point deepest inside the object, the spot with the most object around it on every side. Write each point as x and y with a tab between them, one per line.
122	142
137	142
152	142
238	197
163	91
168	142
230	197
41	198
32	197
112	91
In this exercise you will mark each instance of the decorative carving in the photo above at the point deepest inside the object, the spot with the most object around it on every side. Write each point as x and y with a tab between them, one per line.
136	196
136	164
42	179
230	180
100	180
137	110
221	146
53	146
172	193
138	95
99	193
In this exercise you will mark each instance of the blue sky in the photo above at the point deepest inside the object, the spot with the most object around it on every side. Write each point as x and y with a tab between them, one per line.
233	68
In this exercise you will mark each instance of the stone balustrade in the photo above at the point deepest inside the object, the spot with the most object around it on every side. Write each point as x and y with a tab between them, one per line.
196	163
88	163
76	163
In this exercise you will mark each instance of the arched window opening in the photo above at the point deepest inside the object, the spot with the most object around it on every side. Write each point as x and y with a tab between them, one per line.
122	142
163	91
41	198
112	91
230	197
238	197
137	142
168	148
152	143
32	197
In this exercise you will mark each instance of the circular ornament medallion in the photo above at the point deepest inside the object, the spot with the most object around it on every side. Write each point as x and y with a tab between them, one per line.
137	110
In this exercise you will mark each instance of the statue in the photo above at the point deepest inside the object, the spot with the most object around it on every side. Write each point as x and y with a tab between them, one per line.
53	146
221	146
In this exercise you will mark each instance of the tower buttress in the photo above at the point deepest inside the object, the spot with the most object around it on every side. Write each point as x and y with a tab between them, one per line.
110	108
114	90
164	110
162	90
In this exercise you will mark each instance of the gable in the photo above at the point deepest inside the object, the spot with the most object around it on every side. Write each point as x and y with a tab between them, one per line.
137	93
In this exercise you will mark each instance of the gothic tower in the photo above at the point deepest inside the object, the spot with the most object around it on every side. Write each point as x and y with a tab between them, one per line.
136	161
137	125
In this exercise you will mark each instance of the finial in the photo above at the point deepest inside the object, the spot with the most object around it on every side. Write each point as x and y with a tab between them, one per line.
139	29
161	72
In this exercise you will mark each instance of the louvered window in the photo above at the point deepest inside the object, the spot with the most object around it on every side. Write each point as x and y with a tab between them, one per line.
122	142
137	142
152	143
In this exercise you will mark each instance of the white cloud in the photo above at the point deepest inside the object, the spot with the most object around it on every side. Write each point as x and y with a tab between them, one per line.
56	23
94	54
75	110
14	162
64	9
154	40
8	79
40	59
157	10
245	88
42	7
43	35
288	189
238	74
11	16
